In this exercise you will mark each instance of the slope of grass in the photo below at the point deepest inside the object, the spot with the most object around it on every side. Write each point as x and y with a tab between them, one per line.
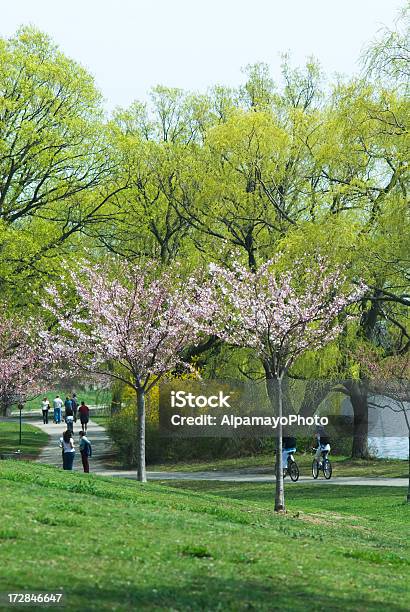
33	439
116	544
343	466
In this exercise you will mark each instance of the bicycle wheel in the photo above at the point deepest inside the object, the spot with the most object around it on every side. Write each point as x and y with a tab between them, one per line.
327	469
315	469
294	471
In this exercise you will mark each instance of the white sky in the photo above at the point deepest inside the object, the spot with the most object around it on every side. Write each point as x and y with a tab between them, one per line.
132	45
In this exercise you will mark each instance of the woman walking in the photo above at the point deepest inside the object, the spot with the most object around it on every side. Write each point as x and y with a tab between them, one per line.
67	445
45	407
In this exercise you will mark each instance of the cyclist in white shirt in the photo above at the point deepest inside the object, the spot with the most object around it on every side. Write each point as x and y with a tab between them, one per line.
323	444
288	448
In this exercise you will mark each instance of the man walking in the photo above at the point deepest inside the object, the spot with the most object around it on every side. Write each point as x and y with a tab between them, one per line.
45	407
57	406
68	405
74	403
84	416
86	451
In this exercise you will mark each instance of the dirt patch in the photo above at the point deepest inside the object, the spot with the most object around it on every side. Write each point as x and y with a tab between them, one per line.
314	519
341	517
326	518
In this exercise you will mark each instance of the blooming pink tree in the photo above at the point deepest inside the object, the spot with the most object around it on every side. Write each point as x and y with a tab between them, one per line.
23	365
137	319
280	316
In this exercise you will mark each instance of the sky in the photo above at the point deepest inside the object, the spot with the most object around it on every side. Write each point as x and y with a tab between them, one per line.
132	45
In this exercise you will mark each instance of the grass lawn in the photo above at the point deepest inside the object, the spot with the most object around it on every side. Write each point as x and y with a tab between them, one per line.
33	438
91	398
202	545
101	419
343	466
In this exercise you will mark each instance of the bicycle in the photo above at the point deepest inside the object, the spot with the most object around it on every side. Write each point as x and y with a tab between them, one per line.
291	468
324	465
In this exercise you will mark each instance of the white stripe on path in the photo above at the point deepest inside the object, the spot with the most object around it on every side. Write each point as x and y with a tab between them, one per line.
51	454
225	476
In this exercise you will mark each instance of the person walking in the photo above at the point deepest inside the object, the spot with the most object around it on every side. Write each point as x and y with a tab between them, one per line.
67	446
86	451
84	416
68	405
69	419
57	406
74	403
45	407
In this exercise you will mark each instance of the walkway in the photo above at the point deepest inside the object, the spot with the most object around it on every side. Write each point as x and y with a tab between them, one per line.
51	454
238	476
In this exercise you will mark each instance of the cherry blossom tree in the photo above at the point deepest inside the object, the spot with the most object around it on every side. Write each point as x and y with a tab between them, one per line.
24	367
280	316
137	318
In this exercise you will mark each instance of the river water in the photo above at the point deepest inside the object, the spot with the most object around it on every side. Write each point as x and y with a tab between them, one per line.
389	448
388	430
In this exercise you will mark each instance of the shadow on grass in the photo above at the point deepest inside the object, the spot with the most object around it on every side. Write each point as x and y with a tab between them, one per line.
262	492
32	442
203	592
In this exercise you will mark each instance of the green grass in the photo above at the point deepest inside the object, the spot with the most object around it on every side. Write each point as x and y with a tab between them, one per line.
343	466
202	545
33	439
101	419
91	398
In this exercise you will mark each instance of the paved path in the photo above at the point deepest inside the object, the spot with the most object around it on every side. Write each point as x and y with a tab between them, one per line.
238	476
51	454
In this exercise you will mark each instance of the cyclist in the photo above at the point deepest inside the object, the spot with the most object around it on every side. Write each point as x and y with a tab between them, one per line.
288	447
323	444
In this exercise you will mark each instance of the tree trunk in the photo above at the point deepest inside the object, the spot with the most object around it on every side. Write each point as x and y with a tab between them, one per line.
275	394
358	389
280	487
5	407
141	470
358	398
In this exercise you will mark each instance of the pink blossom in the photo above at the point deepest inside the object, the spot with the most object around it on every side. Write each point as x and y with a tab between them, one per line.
280	316
138	319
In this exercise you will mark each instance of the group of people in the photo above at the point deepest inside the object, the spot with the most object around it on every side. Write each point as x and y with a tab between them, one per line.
68	450
72	411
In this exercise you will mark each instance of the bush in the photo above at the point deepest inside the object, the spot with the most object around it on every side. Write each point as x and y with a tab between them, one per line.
122	428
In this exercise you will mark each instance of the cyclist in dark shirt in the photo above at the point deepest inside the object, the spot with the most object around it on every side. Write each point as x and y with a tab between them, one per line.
288	447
